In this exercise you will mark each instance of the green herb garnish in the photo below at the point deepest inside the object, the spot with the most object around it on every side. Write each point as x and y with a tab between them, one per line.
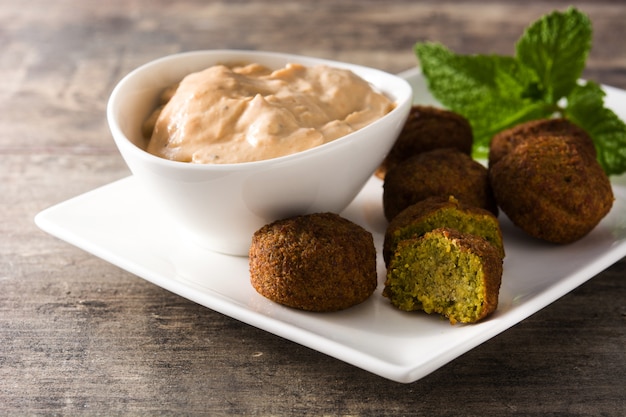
542	80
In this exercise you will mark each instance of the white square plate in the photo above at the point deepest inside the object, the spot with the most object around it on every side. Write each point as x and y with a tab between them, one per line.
115	223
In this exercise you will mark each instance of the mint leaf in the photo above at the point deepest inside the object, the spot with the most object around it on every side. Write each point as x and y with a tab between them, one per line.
556	48
493	92
585	107
496	92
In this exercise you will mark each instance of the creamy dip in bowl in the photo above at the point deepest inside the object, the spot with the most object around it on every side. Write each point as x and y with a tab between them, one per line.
244	113
220	205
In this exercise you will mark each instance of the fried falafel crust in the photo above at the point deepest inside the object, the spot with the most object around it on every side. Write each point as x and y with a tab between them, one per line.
507	140
440	172
454	274
428	128
437	212
552	188
317	262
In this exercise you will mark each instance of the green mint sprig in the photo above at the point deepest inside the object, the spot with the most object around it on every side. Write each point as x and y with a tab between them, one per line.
542	80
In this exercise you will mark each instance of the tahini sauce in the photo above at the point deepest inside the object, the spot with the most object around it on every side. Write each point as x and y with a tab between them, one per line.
249	113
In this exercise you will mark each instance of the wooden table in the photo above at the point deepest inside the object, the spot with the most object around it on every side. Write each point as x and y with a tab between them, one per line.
82	337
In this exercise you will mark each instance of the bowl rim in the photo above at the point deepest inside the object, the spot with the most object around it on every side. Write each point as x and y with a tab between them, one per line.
405	96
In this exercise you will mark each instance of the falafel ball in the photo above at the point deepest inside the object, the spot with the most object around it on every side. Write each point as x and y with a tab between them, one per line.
552	188
505	141
316	262
436	212
457	275
440	172
428	128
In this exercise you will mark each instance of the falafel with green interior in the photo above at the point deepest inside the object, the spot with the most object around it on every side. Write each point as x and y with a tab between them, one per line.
446	272
436	212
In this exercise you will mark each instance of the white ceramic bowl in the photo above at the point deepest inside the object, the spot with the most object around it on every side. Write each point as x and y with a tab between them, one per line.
220	206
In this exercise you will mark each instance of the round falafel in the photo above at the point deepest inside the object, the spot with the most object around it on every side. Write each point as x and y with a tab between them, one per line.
440	172
457	275
428	128
436	212
505	141
317	262
552	188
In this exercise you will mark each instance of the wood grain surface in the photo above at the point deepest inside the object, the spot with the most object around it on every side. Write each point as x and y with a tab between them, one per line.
79	336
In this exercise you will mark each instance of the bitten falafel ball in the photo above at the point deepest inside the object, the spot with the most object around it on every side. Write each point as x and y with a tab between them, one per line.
436	212
551	188
428	128
505	141
440	172
316	262
457	275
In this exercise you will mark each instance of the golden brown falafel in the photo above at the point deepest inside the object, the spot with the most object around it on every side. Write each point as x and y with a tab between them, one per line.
428	128
440	172
505	141
447	272
552	188
316	262
436	212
